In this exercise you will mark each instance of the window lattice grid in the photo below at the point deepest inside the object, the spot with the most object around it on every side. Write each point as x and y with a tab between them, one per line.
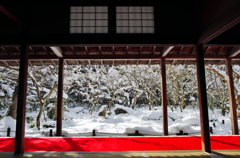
89	19
135	19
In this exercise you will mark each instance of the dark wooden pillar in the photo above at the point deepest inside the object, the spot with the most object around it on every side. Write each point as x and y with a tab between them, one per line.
202	99
164	98
232	101
21	105
60	97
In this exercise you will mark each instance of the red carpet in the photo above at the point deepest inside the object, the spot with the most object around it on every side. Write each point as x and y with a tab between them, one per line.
121	143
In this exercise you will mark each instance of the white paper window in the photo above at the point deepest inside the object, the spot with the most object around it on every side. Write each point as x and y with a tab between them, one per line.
135	19
89	19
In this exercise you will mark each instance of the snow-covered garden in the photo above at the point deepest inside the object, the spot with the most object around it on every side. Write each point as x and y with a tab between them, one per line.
116	100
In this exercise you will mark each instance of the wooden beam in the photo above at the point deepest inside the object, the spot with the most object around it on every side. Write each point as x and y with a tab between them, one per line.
232	101
166	50
72	48
32	50
174	61
107	45
179	52
119	57
5	50
164	98
149	62
202	99
9	14
154	48
234	52
140	50
18	49
100	50
86	49
57	51
222	24
206	49
113	49
60	97
21	104
46	50
6	63
65	62
193	49
111	57
53	62
41	62
218	51
29	63
222	45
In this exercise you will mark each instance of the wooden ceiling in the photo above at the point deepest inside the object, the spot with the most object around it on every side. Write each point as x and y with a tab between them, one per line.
179	26
117	55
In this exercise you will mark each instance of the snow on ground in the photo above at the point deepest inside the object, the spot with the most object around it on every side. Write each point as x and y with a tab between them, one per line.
77	121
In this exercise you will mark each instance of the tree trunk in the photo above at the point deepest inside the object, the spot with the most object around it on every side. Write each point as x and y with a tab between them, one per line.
39	115
180	105
182	102
109	104
170	105
13	107
150	102
224	109
134	101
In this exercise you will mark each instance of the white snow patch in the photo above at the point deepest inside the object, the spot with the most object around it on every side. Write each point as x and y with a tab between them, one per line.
193	121
2	94
8	90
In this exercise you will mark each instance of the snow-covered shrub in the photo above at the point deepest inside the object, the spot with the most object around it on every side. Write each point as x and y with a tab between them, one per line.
155	115
186	128
141	129
129	110
179	120
172	115
192	121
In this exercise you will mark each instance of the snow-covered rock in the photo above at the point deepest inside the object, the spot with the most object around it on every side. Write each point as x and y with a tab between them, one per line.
129	110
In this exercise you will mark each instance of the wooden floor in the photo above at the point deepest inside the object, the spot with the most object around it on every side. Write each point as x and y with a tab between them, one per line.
128	154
